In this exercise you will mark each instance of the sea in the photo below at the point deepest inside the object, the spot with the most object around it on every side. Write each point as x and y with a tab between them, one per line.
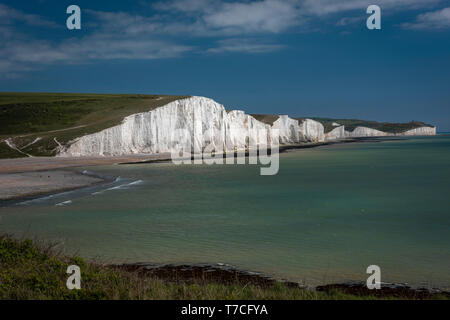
329	214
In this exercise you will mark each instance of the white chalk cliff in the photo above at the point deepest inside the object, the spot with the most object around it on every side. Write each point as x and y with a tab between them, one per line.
199	123
366	132
289	130
336	133
421	131
369	132
311	131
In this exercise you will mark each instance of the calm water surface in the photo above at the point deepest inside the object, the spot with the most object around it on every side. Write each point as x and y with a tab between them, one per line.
327	215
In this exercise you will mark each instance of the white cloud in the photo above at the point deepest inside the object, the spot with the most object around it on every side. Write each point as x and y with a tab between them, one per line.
34	54
215	17
9	15
243	45
439	19
234	26
261	16
20	53
350	20
188	5
325	7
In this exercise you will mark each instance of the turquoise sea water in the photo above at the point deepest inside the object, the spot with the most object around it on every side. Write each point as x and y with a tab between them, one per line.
328	214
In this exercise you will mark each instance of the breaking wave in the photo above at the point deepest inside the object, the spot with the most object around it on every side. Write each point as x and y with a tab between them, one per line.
120	187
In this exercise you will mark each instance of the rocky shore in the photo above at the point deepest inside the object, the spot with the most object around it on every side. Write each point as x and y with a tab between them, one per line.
227	274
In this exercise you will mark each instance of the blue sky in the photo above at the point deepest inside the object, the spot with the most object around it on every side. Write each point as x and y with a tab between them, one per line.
296	57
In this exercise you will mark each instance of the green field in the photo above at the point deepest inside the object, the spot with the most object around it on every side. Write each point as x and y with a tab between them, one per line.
34	120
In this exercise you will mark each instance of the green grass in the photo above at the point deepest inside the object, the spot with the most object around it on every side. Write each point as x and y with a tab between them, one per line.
32	270
64	116
7	152
266	118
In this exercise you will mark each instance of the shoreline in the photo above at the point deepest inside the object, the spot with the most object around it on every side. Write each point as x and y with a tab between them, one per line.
226	274
26	179
34	177
143	281
23	171
61	181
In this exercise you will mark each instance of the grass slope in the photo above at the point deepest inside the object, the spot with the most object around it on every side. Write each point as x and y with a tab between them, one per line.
29	270
34	120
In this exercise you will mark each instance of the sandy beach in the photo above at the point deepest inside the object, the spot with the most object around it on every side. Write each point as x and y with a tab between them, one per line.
36	176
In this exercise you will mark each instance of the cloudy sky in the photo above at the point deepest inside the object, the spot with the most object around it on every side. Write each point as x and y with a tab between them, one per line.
297	57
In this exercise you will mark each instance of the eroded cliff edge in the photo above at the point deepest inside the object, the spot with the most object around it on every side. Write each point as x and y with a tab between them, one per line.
206	123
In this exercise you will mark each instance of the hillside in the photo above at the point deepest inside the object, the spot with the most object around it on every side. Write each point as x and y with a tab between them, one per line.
36	122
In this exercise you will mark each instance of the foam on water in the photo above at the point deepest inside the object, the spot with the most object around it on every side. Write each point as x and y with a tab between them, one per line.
119	187
64	203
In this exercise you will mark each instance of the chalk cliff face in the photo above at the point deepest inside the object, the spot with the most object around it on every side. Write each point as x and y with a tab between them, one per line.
201	120
296	131
242	131
422	131
366	132
311	131
196	123
336	133
289	130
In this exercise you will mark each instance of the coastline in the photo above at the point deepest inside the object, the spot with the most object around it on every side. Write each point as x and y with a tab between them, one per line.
30	178
228	275
53	175
203	271
143	281
34	177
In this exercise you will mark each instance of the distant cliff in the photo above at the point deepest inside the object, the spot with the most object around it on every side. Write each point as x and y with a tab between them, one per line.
206	123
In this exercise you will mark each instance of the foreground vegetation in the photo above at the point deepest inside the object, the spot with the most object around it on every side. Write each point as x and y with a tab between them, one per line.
29	270
37	122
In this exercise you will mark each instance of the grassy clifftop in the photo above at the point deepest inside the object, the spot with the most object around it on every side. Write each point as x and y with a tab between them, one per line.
37	122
